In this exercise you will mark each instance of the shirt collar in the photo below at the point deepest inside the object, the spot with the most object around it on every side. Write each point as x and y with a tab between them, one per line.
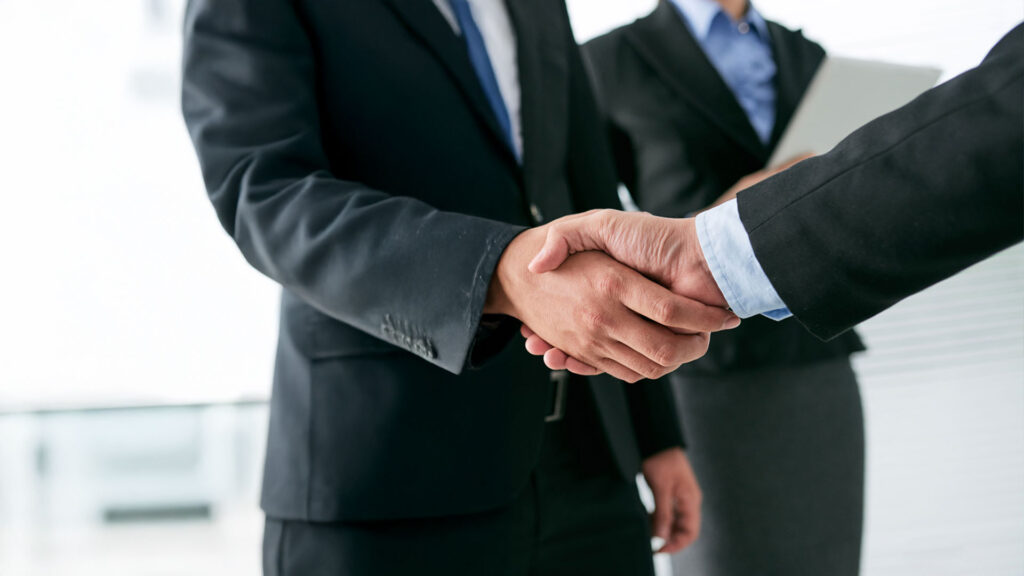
700	14
758	22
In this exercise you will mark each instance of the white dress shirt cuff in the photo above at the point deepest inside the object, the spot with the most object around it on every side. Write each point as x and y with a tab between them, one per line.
731	259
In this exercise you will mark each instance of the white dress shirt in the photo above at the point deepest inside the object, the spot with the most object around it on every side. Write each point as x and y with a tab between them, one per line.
491	17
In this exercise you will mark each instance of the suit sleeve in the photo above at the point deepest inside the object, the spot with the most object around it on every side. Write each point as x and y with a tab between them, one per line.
364	257
906	201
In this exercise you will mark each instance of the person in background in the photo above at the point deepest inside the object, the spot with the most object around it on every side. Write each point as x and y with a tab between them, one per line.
910	199
697	95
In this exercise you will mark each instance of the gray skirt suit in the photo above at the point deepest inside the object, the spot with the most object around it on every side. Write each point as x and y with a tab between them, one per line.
772	415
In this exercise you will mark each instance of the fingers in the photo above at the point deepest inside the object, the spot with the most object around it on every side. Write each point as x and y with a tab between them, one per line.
538	347
554	358
687	511
653	350
576	367
617	359
618	370
685	527
649	348
620	322
662	518
656	349
638	363
643	350
677	499
671	310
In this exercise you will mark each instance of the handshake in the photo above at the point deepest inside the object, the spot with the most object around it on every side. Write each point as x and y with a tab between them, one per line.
625	293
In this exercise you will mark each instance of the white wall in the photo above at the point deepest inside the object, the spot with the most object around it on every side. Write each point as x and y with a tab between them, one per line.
118	284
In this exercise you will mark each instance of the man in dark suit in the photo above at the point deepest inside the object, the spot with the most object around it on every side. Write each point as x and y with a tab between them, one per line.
380	159
698	94
904	202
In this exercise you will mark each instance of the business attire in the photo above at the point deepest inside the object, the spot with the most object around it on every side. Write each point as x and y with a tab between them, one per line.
375	157
772	415
904	202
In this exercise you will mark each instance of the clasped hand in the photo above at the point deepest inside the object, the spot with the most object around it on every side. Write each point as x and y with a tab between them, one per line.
589	313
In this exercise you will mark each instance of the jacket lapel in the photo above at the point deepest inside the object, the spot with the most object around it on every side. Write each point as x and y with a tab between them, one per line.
426	22
664	41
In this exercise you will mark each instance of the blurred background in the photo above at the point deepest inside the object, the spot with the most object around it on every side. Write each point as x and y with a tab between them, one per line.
136	352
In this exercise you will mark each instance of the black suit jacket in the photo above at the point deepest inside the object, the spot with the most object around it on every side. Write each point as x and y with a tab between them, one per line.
682	139
350	152
911	198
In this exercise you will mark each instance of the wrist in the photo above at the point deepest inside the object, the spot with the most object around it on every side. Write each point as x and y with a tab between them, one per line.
695	269
509	274
497	301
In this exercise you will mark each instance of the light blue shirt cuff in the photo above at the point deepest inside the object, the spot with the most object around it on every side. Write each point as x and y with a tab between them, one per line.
731	259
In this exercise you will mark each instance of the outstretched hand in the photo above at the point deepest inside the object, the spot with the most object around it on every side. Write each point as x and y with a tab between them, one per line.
663	249
602	313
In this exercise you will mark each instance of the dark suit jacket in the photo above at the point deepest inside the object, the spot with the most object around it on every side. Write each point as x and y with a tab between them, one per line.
350	152
682	139
909	199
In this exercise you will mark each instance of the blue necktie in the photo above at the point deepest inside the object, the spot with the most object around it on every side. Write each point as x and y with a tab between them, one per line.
482	66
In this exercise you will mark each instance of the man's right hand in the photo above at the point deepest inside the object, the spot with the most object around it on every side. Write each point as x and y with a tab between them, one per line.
663	249
602	313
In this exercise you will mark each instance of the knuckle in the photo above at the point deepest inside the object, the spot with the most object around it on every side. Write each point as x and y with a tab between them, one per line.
625	374
697	347
652	371
604	219
704	341
666	355
609	284
665	311
592	319
556	230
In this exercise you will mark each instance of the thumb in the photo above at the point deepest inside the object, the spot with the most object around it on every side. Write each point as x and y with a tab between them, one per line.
568	235
552	254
